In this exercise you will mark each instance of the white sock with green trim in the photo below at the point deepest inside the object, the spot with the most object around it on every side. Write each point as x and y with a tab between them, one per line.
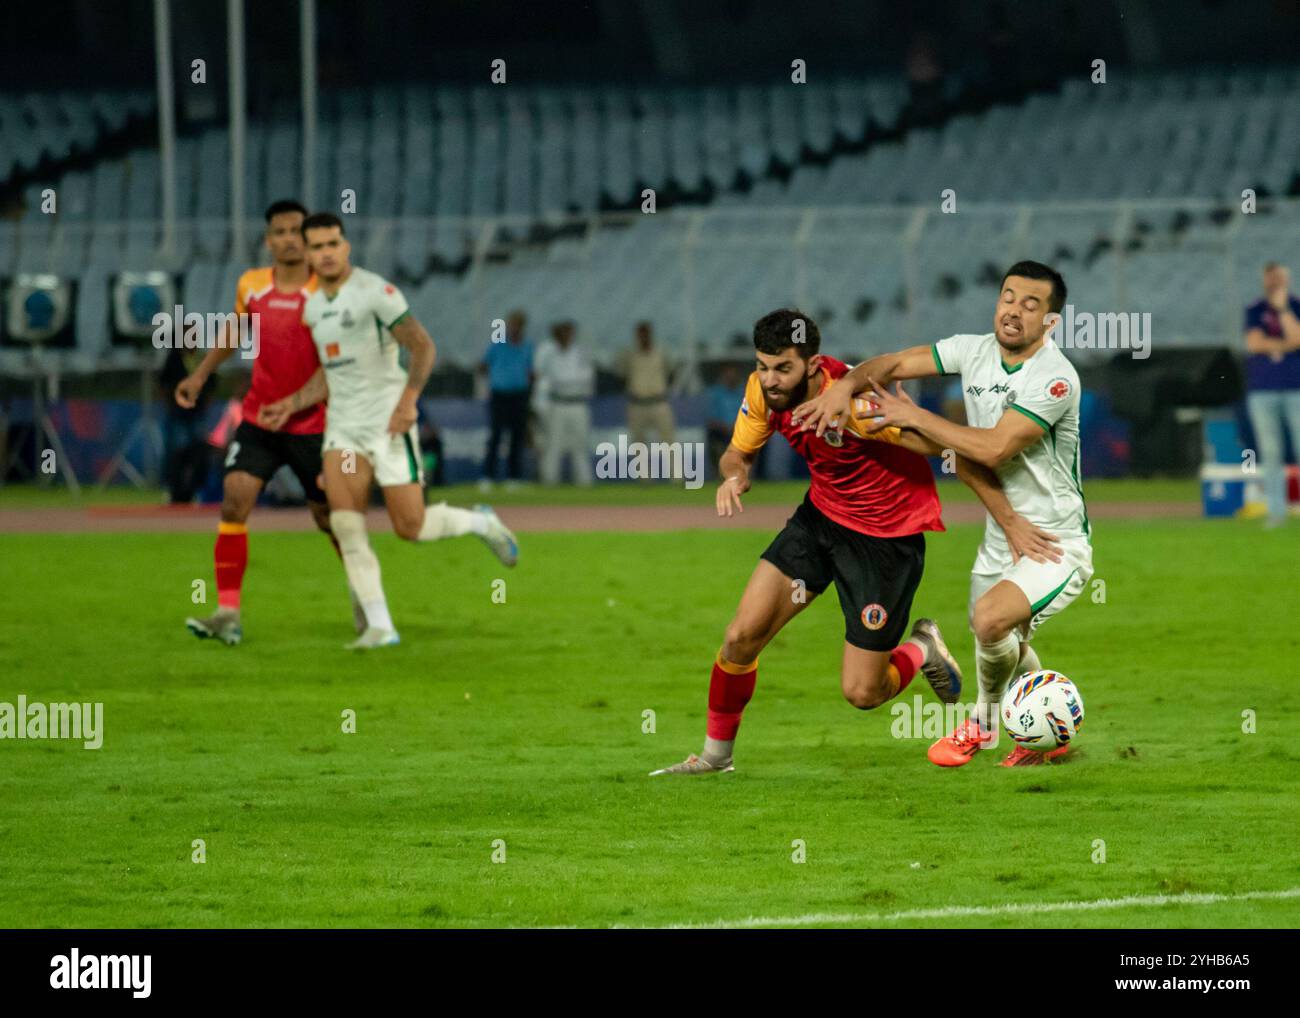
361	565
443	520
995	664
1028	660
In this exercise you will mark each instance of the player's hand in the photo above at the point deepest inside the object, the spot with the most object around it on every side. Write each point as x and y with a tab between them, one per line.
272	416
729	492
403	419
829	410
188	389
892	410
1028	541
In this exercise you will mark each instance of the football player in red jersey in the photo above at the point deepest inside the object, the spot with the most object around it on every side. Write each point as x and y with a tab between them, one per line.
861	526
286	357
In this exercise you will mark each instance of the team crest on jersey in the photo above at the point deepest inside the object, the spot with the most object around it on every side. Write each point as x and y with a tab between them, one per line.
346	320
1058	388
833	438
874	616
331	349
1011	398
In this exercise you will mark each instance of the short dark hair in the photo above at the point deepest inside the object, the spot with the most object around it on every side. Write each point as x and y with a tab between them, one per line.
776	331
1037	270
322	220
279	208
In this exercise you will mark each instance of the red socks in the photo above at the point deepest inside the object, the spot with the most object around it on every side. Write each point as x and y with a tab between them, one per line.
904	662
231	557
730	688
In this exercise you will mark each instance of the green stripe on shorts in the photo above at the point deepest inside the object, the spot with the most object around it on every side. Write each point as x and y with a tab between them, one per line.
1035	609
410	459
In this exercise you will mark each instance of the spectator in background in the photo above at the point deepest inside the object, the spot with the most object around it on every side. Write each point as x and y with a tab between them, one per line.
186	455
566	381
1273	382
509	369
645	371
724	398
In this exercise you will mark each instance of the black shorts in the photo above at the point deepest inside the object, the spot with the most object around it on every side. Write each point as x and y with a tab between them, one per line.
261	453
875	577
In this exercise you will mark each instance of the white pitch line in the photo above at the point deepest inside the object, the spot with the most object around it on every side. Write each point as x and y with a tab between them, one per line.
970	911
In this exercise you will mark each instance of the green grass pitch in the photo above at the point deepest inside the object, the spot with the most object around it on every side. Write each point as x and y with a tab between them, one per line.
521	723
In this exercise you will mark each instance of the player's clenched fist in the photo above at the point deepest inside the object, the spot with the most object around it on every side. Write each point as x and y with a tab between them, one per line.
272	416
188	389
729	492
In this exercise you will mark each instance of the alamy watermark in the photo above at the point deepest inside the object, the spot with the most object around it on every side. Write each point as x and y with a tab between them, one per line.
640	461
23	720
929	720
182	330
1109	330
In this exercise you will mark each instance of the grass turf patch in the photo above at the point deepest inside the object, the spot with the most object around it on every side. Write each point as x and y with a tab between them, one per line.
522	723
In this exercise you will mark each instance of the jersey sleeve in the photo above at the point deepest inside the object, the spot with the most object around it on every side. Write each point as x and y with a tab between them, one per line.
389	304
751	431
242	289
947	354
1046	400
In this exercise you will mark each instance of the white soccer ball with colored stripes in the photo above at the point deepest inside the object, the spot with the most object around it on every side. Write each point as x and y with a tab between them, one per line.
1042	710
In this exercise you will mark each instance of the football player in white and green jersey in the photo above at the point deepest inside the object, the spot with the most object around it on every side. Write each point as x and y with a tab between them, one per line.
1022	413
358	320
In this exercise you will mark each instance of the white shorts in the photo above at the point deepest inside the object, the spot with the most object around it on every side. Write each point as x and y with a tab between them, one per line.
1049	586
395	459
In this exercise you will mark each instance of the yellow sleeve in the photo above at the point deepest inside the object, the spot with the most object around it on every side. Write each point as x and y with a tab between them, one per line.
859	422
241	291
752	430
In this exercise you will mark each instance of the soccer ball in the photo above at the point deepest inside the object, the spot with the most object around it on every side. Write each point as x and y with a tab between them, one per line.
1042	710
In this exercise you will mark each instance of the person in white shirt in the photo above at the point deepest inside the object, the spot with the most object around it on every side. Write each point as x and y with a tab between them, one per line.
1022	404
566	381
358	320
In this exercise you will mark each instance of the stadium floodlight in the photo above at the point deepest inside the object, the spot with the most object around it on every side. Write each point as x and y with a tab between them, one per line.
137	298
37	310
38	307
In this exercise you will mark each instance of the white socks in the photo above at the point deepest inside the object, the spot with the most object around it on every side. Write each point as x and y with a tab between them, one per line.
442	520
361	565
995	664
1028	660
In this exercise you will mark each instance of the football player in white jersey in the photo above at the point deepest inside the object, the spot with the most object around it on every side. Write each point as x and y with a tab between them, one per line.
358	320
1022	412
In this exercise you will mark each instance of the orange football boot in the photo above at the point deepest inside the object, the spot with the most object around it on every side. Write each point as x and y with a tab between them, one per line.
966	740
1023	756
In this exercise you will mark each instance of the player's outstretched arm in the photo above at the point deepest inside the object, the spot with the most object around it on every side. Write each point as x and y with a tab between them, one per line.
413	337
832	408
189	387
734	469
1022	536
990	446
272	416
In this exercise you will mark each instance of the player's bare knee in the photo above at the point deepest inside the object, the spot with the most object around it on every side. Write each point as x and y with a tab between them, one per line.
989	626
235	506
408	528
742	642
865	694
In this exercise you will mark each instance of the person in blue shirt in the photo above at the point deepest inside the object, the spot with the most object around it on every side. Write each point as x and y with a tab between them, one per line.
1273	382
509	368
